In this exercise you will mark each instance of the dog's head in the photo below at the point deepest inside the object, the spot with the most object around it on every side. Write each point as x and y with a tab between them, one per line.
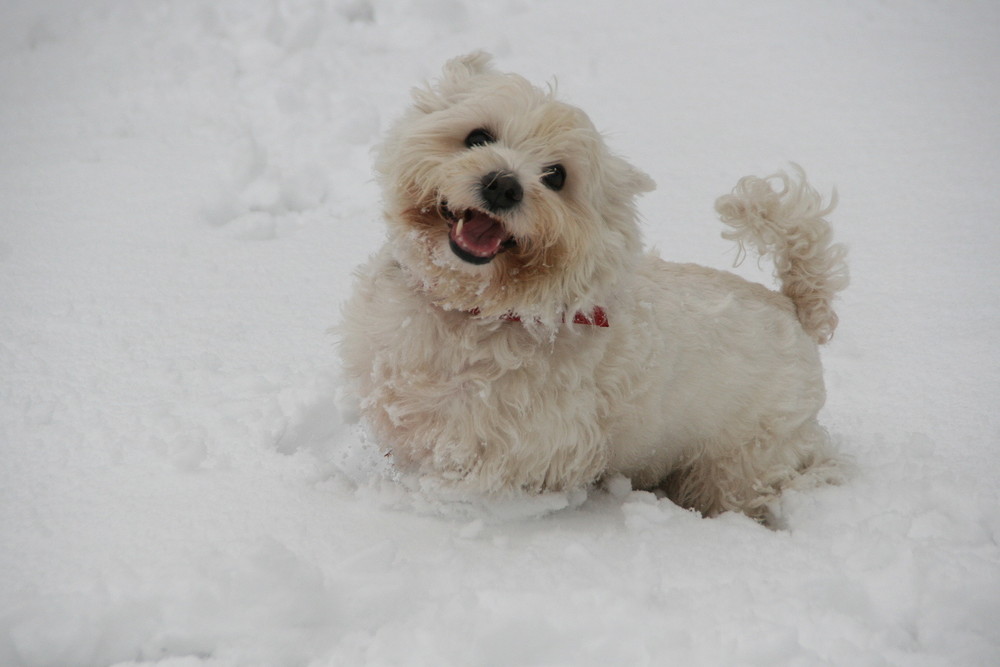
501	199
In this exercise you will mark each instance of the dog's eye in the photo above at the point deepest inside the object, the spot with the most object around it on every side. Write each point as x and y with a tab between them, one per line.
554	177
479	137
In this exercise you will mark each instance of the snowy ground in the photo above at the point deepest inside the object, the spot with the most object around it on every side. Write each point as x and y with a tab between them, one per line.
184	190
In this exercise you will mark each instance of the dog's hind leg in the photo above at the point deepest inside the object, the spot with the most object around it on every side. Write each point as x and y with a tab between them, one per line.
750	478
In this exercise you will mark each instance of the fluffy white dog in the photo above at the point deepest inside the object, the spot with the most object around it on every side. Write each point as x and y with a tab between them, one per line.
512	334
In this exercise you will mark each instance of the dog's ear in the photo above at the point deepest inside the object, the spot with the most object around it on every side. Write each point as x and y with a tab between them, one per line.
454	80
629	179
459	69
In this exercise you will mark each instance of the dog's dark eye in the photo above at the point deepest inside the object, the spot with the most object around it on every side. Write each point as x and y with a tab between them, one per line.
554	177
479	137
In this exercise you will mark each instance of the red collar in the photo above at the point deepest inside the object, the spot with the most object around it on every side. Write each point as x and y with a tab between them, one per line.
597	317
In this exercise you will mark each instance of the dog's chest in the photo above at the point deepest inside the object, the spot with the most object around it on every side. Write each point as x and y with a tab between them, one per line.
496	375
489	398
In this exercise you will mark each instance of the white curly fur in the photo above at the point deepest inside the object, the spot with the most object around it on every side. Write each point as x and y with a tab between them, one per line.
788	226
704	384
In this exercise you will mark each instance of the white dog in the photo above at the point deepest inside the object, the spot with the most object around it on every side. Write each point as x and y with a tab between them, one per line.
512	334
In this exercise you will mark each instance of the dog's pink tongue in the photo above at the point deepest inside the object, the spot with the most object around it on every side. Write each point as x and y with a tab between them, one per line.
480	235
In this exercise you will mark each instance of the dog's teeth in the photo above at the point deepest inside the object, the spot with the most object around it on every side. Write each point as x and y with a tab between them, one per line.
458	226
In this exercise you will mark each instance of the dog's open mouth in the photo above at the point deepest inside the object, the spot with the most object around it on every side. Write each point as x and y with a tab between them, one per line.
476	237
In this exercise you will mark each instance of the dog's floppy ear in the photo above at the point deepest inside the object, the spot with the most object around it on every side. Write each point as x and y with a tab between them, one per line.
629	179
464	67
454	80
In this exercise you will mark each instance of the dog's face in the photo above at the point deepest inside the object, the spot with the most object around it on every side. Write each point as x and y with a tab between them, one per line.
501	199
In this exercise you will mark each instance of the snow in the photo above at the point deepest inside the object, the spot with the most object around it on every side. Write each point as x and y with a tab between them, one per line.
185	188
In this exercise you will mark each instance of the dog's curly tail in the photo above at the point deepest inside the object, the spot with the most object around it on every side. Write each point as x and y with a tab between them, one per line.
789	226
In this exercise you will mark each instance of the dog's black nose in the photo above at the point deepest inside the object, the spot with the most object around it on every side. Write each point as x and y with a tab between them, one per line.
501	191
